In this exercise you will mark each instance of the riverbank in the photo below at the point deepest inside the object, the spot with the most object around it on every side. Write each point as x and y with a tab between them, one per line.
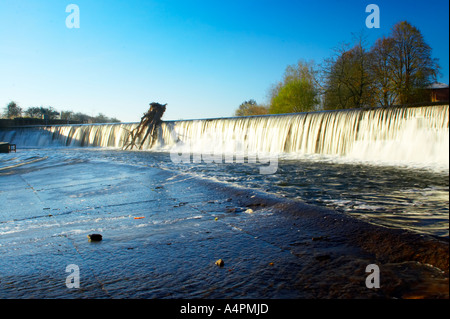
164	230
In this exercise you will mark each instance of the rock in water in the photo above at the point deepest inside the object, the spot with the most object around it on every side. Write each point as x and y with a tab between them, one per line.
95	237
220	263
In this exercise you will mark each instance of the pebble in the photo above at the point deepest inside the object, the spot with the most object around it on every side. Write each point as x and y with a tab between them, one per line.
95	237
323	257
220	263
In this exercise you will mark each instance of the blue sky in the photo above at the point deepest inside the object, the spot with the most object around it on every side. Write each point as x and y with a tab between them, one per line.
203	58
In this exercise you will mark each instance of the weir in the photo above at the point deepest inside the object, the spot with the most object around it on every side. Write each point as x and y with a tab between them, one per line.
397	134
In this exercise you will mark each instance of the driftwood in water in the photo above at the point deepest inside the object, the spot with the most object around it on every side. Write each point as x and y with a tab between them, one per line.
149	124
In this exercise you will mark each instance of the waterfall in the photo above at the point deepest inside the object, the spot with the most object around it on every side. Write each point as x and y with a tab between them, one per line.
400	135
396	134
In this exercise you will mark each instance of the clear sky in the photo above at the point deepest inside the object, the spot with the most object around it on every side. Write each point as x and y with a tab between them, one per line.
203	58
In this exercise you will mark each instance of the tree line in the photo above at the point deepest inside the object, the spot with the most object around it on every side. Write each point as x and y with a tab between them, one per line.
395	70
12	110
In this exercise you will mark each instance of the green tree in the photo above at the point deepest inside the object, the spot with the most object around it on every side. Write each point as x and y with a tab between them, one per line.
297	92
84	118
101	118
250	107
34	112
66	115
80	117
12	110
40	112
50	112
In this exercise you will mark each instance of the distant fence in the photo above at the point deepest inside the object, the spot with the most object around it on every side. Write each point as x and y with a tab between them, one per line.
24	121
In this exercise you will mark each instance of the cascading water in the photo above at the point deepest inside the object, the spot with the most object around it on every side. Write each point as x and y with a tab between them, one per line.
401	135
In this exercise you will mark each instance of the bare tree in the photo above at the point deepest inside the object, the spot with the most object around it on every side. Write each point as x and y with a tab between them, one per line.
381	68
412	66
348	81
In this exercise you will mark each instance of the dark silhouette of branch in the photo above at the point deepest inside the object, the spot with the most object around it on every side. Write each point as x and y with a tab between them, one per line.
148	126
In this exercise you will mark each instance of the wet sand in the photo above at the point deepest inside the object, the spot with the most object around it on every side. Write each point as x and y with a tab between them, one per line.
163	231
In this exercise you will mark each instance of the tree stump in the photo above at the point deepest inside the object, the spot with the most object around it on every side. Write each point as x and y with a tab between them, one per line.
147	127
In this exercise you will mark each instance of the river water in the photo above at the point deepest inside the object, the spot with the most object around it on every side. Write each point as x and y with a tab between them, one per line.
396	196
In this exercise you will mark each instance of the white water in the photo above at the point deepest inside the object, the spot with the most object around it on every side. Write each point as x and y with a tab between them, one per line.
403	136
